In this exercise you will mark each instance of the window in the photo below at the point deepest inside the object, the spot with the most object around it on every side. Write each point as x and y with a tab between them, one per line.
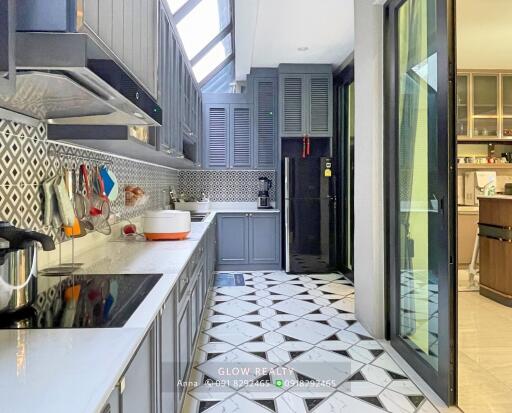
175	5
202	24
213	58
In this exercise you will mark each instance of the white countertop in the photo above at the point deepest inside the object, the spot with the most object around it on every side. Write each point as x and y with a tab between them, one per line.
241	207
74	370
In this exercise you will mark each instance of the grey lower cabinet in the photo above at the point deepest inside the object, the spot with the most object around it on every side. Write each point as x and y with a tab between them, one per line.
184	347
248	240
139	383
264	239
112	404
168	357
233	239
155	379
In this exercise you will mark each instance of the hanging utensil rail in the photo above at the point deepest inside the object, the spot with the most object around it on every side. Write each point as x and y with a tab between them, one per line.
55	150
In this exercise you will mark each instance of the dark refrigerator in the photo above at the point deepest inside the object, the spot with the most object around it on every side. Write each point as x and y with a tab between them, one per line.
309	221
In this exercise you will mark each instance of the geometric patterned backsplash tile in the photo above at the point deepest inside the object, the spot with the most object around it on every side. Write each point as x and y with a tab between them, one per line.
224	186
26	161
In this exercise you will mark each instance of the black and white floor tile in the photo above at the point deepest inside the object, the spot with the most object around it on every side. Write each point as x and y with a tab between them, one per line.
291	344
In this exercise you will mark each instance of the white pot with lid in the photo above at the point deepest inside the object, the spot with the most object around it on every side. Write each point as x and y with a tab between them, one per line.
166	225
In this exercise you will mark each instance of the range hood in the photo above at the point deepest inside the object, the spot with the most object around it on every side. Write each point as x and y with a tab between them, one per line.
66	79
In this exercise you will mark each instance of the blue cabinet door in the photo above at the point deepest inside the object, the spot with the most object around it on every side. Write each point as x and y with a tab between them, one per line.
240	136
319	93
292	105
216	155
264	238
265	123
233	239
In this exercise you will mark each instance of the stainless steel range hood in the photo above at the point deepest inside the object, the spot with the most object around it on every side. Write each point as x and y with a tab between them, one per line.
66	79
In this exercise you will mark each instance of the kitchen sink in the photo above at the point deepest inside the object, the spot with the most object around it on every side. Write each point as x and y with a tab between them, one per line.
198	216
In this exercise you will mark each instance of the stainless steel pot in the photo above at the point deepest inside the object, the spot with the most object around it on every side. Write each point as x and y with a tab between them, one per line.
15	271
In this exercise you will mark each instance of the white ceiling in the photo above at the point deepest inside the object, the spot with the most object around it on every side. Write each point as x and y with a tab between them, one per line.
269	32
484	30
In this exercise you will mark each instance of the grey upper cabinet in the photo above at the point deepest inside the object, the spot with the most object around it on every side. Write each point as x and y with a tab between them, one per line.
241	136
292	103
319	92
216	136
305	102
265	122
7	47
129	29
233	239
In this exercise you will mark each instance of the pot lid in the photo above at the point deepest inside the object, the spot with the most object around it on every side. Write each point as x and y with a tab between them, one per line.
166	213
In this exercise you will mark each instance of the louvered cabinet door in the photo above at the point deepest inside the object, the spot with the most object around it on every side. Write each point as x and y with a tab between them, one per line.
265	123
241	136
292	105
320	105
217	130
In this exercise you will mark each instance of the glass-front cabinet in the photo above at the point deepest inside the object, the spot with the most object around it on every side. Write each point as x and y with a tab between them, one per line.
485	105
462	105
506	105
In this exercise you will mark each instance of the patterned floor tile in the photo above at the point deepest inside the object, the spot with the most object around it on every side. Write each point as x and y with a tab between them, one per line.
288	343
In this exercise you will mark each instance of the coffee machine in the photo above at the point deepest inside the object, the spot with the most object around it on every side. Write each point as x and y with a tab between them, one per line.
265	185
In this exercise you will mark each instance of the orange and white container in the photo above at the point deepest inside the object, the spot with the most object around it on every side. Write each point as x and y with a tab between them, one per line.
166	225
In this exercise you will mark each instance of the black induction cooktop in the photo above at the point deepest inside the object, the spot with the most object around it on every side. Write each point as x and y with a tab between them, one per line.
82	301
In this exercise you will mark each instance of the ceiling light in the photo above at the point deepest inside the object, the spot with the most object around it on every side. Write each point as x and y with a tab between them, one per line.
303	48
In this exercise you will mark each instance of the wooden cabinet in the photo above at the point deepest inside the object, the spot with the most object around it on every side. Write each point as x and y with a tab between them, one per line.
139	382
467	228
305	103
462	104
248	239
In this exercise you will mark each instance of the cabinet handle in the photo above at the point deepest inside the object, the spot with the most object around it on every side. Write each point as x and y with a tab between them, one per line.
121	385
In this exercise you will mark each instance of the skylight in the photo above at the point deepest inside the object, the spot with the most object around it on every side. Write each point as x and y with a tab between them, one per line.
213	58
202	24
175	5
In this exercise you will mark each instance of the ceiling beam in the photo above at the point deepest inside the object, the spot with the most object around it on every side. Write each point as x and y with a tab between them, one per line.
185	9
221	66
211	44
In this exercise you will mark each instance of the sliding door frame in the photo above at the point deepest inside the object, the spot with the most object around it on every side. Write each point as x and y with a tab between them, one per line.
341	113
443	381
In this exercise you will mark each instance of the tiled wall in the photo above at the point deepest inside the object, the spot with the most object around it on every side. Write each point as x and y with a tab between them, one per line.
225	186
26	160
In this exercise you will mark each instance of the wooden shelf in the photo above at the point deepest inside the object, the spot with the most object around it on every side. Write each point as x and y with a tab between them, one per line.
484	165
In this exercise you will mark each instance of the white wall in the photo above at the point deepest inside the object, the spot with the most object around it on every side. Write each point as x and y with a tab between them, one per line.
368	189
484	30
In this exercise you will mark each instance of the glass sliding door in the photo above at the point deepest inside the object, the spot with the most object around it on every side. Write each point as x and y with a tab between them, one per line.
421	205
344	104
